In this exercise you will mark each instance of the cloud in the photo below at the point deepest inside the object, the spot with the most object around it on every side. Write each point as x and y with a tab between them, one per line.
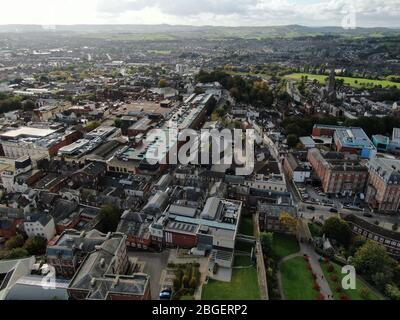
257	12
202	12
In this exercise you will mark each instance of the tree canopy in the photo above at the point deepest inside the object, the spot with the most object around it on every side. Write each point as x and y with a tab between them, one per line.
337	229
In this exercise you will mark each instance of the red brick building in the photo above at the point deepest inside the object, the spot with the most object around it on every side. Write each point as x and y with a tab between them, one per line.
338	172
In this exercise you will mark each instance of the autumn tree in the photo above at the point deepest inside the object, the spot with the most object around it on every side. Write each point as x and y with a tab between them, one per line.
288	222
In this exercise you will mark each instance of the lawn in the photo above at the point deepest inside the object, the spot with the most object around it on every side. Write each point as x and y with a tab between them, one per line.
352	294
243	286
246	226
284	245
297	281
354	82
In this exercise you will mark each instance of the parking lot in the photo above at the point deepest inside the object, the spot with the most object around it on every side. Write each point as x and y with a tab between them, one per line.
315	195
155	263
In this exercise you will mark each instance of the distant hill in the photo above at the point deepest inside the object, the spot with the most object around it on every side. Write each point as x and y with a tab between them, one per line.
206	32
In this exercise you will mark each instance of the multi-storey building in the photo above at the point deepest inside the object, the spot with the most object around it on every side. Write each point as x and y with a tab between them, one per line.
383	191
340	173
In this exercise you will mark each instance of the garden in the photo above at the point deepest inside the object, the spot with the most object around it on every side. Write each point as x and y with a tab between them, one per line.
187	279
243	286
334	276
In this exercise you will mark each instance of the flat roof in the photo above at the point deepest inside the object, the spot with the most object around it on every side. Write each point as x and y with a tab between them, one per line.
27	131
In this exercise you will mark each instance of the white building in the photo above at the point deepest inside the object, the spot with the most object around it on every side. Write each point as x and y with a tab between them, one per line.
40	225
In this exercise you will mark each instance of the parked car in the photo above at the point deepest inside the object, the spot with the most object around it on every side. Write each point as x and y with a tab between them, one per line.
166	294
367	215
333	210
311	208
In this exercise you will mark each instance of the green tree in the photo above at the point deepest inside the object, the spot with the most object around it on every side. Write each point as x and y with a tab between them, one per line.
373	261
17	253
337	229
92	126
15	242
109	217
118	123
292	140
392	292
36	245
163	83
267	239
356	243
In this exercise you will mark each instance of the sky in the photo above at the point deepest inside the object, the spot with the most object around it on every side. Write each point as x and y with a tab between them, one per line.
360	13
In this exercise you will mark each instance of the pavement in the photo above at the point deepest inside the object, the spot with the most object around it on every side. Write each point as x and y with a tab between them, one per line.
306	248
155	263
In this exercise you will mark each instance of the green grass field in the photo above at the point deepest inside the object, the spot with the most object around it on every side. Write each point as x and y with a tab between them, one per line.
297	281
284	245
243	286
130	36
354	82
352	294
246	226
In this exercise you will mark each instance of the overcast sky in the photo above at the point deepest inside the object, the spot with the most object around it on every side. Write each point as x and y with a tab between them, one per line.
368	13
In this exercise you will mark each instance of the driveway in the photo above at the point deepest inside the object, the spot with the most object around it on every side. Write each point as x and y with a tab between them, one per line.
155	263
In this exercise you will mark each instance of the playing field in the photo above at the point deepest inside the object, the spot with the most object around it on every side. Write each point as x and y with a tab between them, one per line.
354	82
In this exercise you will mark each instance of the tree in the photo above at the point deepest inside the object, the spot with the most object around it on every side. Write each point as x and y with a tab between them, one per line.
392	292
17	253
163	83
36	245
15	242
92	126
292	140
28	105
288	222
373	261
356	243
117	123
109	217
267	241
337	229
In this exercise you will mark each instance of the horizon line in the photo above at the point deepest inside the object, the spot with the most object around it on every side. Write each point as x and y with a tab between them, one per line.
197	26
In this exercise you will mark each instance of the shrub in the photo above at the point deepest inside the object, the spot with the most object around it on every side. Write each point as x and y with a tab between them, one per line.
338	289
334	278
171	265
215	268
330	268
179	274
316	287
185	281
309	268
193	283
177	284
326	260
344	297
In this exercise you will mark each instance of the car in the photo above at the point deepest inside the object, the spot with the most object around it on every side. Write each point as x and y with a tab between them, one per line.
166	294
333	210
311	208
367	215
